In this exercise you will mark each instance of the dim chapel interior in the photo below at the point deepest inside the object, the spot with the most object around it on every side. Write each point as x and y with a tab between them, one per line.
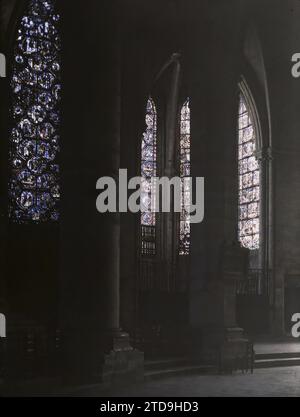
160	88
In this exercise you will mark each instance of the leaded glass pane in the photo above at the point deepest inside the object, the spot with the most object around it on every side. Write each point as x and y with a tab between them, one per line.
148	170
34	139
185	170
249	181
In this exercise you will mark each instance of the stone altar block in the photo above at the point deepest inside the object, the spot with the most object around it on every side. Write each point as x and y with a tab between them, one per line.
223	341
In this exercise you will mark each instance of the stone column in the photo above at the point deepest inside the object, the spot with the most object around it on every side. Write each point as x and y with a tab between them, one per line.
266	262
116	338
93	343
171	155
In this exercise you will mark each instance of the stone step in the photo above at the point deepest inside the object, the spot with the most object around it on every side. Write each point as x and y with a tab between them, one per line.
159	364
276	362
279	355
179	370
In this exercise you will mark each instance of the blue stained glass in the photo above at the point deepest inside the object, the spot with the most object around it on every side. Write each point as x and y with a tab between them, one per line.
34	139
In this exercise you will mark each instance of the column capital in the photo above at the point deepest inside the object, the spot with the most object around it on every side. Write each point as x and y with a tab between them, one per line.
265	154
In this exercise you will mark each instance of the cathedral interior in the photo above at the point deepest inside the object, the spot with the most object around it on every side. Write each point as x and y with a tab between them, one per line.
172	88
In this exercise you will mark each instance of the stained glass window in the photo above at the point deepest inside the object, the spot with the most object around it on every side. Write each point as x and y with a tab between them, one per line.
185	172
34	138
148	170
249	180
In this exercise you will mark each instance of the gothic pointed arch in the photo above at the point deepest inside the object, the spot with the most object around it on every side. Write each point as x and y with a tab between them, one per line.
249	174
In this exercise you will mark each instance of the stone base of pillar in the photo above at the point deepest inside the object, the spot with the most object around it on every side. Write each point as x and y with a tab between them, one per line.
122	363
123	367
108	358
236	351
117	340
228	348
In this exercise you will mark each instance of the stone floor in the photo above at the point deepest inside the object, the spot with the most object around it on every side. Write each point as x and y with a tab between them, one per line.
278	347
270	382
278	382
